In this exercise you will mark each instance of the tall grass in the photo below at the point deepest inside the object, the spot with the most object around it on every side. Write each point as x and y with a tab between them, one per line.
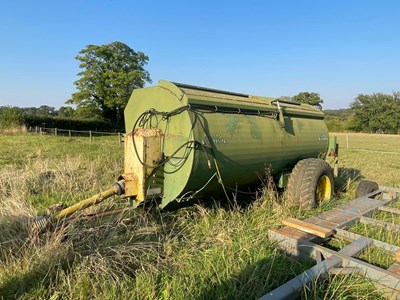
212	250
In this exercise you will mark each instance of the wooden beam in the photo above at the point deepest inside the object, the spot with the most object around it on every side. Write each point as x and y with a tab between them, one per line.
308	227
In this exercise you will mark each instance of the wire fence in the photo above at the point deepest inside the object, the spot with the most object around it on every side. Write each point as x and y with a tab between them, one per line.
77	133
361	141
380	143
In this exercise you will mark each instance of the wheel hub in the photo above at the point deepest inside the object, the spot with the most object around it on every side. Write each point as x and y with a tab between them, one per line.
324	189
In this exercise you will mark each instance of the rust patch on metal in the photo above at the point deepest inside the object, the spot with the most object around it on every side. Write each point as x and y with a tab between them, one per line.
131	185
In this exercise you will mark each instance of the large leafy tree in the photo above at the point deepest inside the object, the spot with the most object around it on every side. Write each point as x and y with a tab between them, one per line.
65	112
376	113
313	99
109	74
46	111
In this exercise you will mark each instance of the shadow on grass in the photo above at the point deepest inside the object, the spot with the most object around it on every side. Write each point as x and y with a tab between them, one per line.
241	200
29	263
118	247
255	280
14	231
345	178
24	267
38	276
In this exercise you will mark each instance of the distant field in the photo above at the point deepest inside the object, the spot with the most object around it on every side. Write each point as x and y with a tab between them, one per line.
376	156
208	251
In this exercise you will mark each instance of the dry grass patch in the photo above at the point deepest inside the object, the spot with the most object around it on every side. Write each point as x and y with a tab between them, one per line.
209	251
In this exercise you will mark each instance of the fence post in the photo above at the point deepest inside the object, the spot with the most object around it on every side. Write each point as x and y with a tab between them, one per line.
119	139
90	136
36	129
55	131
69	134
40	131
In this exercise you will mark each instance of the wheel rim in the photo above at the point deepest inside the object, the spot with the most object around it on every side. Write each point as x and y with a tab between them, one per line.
324	188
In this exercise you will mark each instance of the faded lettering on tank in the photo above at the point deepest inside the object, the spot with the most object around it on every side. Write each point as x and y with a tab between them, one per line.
323	137
215	138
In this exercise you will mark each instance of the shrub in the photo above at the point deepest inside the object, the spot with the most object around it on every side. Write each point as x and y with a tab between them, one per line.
11	117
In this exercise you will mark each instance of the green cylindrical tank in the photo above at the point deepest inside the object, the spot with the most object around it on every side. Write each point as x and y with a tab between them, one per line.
220	141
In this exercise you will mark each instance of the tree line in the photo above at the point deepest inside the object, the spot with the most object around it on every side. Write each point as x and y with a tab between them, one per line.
374	113
45	116
109	73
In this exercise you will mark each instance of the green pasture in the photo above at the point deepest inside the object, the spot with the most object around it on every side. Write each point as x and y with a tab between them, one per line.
211	250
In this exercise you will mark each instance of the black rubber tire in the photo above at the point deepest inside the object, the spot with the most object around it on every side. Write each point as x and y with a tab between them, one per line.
366	187
304	179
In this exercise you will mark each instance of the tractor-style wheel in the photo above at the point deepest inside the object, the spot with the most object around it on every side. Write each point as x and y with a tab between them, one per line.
366	187
310	183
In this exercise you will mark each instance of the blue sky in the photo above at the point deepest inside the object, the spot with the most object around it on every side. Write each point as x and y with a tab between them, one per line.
270	48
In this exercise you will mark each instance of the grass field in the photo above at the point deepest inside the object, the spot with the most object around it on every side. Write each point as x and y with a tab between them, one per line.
207	251
377	157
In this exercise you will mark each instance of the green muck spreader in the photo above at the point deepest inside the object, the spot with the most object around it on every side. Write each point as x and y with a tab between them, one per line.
184	142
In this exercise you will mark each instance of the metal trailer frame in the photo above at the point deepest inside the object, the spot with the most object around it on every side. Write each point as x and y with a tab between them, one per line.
295	241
